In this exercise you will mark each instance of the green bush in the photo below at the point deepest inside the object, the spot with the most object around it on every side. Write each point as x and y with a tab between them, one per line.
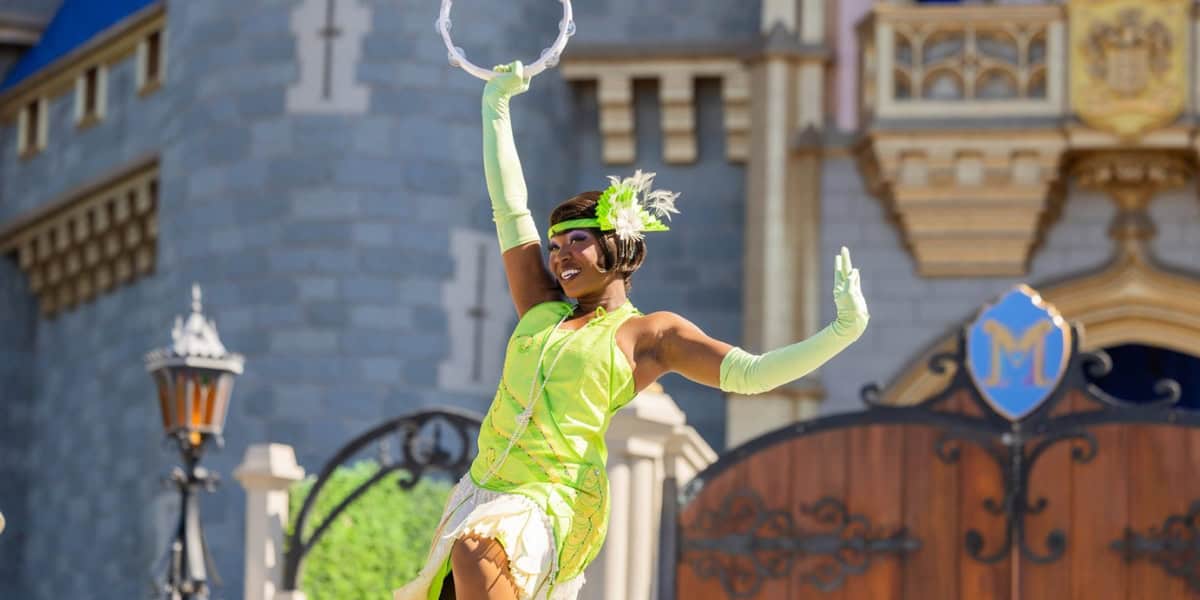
377	544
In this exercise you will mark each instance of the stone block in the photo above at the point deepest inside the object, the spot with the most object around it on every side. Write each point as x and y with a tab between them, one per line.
372	234
260	103
370	342
382	370
371	172
270	138
382	317
371	290
325	203
317	288
304	342
373	137
327	313
317	232
267	48
390	205
300	172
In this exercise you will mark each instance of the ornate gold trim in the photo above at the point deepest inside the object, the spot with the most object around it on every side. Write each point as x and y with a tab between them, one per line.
83	246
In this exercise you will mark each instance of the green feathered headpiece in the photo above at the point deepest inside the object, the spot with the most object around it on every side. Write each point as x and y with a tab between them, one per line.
628	207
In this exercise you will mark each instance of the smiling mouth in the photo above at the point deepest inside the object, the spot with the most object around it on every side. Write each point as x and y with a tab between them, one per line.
569	274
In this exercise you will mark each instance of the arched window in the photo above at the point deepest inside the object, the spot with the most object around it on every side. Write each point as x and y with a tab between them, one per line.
1137	367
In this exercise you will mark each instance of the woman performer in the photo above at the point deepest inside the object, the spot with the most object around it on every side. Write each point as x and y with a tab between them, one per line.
532	512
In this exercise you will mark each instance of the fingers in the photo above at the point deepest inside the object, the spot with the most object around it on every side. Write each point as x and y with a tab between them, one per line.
846	259
516	67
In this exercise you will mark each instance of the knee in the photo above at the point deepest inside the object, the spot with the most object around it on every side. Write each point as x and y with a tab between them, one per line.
465	555
474	553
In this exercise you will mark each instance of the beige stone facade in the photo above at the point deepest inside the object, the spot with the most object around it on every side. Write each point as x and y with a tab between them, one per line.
976	130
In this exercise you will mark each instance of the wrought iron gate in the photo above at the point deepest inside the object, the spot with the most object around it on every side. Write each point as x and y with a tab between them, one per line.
968	494
414	445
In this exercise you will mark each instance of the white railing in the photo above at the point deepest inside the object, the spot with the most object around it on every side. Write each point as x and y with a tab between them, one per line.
963	61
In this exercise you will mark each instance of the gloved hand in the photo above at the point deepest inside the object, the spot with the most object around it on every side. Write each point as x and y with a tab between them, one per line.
501	164
509	82
745	373
852	315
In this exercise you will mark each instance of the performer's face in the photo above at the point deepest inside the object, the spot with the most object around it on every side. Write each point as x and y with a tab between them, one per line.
575	262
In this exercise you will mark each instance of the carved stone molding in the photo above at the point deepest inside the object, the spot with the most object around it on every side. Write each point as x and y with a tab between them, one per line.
676	75
967	205
89	243
1132	179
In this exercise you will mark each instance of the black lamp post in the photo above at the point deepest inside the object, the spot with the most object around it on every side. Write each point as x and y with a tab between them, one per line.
194	377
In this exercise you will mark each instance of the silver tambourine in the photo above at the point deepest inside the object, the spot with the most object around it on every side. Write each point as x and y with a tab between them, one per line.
548	59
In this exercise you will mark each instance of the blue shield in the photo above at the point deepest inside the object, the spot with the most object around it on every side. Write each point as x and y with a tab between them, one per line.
1017	352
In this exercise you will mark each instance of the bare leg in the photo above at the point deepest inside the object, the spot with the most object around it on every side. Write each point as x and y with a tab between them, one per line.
480	569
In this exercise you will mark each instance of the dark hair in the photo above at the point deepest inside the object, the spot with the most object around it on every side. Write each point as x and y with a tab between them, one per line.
615	255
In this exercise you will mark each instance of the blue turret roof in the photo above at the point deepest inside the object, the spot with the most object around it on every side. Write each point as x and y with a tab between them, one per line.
76	22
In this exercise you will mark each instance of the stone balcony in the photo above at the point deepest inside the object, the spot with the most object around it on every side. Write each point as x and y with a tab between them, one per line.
962	110
971	114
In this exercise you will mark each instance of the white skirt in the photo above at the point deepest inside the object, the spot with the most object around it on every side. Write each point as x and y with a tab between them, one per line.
521	527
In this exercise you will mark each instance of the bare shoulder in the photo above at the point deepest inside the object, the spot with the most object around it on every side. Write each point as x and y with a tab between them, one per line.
657	326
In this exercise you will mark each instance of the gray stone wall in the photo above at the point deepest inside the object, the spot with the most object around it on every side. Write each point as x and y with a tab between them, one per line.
665	21
323	240
17	313
89	433
909	313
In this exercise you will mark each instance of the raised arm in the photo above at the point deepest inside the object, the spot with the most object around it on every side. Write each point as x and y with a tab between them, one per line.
681	347
529	282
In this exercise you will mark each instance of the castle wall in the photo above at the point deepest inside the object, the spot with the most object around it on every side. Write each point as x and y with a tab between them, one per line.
16	396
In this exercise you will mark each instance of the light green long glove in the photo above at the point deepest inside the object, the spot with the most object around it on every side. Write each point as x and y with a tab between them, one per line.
745	373
501	164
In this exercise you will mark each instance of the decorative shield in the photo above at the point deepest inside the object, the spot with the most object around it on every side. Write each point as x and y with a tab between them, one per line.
1017	352
1129	63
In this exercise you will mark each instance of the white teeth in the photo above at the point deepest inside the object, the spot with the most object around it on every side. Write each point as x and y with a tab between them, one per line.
570	273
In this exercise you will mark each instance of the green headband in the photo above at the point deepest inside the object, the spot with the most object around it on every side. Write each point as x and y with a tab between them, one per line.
628	207
574	224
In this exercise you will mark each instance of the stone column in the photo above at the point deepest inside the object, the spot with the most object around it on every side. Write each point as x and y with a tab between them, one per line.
782	268
266	473
647	441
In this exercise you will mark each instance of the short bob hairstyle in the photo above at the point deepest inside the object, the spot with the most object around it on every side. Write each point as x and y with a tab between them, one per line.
615	255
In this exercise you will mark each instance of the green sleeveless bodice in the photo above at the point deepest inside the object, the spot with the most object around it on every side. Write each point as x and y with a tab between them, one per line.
559	460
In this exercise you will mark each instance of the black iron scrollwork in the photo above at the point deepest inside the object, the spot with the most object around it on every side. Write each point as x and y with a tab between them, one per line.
1016	446
423	448
743	544
1016	464
1175	546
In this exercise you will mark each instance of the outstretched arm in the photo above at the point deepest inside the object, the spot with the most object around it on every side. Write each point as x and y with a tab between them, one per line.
528	279
683	348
